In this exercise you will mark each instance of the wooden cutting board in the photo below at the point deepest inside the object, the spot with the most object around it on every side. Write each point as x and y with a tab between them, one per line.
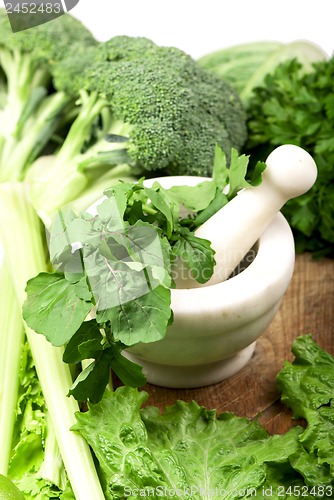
307	307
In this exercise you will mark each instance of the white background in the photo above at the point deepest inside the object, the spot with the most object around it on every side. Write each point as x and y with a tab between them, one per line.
201	26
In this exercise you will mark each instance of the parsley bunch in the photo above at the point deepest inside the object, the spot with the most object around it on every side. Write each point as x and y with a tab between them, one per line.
298	108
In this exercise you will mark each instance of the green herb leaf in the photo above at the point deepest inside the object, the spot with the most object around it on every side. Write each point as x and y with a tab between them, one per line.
161	203
130	373
197	254
195	198
60	245
296	107
238	171
256	175
142	319
220	173
54	308
86	343
215	205
92	381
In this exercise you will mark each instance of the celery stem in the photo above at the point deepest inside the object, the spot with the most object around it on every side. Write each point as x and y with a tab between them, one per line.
52	469
11	340
21	234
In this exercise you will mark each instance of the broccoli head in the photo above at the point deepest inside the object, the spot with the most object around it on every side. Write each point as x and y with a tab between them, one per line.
180	111
174	112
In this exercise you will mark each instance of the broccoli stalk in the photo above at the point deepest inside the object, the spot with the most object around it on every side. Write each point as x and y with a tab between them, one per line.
22	146
28	116
30	109
57	179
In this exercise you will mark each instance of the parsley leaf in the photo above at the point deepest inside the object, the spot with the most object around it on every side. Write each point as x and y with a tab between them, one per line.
54	308
294	107
197	255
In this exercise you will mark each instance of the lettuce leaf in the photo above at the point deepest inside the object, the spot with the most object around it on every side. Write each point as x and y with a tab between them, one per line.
192	453
307	387
188	450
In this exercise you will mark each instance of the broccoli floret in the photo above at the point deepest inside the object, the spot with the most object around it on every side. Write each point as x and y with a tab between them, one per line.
48	42
30	109
148	107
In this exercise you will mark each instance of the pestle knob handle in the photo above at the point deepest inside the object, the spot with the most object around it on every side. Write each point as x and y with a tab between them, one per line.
290	172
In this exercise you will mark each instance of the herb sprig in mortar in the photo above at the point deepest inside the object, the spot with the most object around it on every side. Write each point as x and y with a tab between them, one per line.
112	277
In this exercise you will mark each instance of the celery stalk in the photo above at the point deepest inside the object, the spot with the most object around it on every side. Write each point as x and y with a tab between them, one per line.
22	238
11	339
52	469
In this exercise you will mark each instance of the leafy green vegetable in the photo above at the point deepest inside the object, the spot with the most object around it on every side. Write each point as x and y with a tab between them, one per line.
8	490
115	267
307	387
53	296
238	63
190	452
186	450
41	471
196	253
245	66
293	107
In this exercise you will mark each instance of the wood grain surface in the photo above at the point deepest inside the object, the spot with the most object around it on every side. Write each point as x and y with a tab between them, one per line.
307	307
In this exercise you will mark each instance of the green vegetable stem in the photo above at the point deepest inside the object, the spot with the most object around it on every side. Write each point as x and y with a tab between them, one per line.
12	335
31	112
20	228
